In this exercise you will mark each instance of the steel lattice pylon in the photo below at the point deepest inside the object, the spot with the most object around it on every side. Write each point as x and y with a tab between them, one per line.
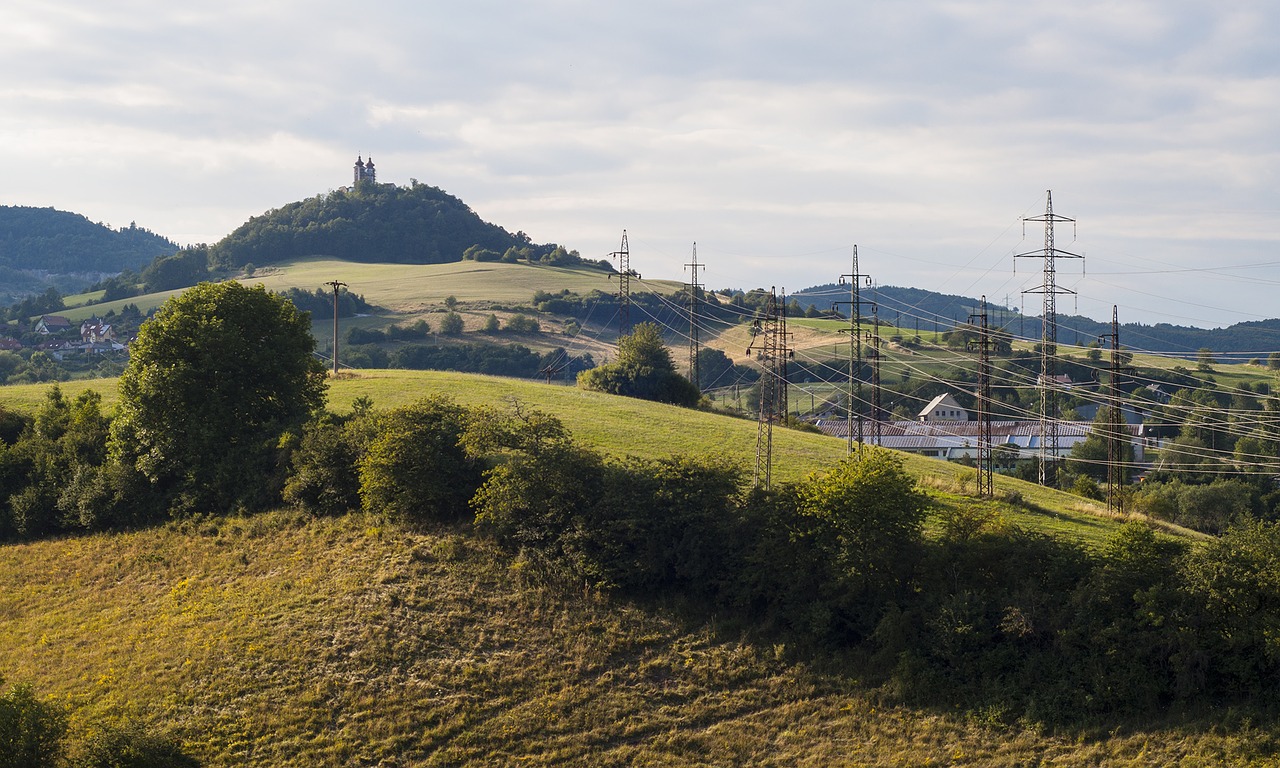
986	480
1049	425
771	349
625	273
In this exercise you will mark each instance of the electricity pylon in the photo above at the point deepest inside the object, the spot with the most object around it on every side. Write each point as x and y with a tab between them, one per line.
625	273
986	484
854	410
1049	426
694	287
772	351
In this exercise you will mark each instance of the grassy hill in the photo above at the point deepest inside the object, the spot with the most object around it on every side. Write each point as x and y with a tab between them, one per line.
284	640
279	640
407	288
622	426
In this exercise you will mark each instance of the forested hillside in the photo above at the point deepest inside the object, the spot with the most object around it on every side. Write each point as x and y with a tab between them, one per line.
418	224
42	247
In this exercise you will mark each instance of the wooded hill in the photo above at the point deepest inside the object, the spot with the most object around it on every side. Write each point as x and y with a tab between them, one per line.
43	247
418	224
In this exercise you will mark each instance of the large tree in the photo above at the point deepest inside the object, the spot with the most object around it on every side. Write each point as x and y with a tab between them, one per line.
212	383
644	369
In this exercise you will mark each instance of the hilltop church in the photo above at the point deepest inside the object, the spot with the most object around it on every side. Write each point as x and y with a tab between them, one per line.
365	171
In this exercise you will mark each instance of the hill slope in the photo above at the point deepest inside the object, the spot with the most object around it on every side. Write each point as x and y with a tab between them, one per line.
621	426
419	224
42	247
278	640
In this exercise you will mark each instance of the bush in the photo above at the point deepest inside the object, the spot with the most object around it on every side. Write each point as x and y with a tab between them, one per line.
875	514
416	468
451	324
644	369
523	324
130	745
31	731
324	479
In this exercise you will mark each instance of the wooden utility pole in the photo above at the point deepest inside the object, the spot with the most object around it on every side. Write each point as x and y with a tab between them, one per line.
335	285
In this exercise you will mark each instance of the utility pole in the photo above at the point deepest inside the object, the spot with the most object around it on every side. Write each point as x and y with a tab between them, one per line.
772	352
335	285
853	412
694	287
986	485
1049	426
1115	424
625	273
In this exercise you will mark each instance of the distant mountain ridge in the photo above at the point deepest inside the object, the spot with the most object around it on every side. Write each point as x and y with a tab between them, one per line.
928	310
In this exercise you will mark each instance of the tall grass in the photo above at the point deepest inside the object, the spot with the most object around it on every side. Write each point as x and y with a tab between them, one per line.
281	640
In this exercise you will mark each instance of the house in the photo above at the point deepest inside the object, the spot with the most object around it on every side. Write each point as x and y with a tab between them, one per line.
9	345
95	330
958	439
52	324
943	408
1061	380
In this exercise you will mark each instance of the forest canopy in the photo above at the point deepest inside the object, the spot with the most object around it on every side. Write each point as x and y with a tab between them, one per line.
418	224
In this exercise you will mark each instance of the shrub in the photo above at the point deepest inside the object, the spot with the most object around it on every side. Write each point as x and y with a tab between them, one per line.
416	468
523	324
31	730
324	479
874	513
130	745
451	324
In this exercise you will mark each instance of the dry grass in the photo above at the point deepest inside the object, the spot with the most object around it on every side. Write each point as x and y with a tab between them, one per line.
277	640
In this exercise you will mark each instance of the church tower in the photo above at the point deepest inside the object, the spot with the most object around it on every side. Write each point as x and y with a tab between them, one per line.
365	171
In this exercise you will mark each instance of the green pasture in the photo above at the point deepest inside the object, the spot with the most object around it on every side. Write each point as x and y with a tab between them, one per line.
621	426
414	287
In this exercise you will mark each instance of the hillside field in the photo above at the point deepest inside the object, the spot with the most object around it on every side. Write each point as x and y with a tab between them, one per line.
280	639
409	288
621	426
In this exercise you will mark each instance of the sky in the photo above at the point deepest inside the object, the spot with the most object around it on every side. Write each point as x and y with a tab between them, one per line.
774	135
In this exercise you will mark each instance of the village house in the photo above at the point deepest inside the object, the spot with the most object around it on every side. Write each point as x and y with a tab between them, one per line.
95	330
953	440
50	325
943	408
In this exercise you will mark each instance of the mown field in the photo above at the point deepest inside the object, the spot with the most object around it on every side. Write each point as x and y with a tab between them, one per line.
410	288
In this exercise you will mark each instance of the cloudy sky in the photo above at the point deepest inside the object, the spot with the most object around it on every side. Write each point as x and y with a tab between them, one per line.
776	135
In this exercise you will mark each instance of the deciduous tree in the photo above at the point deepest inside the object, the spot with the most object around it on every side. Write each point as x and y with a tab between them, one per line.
213	381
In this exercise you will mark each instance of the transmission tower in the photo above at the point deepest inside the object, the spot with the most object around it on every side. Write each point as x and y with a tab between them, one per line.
986	484
873	352
854	410
625	273
1049	426
1117	430
770	343
335	285
694	288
